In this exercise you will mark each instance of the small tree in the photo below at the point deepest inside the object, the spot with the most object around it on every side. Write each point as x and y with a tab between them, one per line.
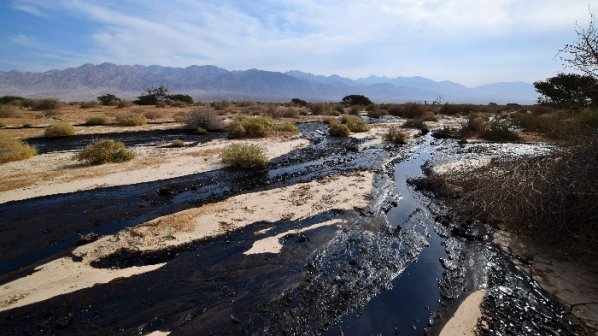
298	102
152	96
583	54
356	100
568	90
108	99
181	98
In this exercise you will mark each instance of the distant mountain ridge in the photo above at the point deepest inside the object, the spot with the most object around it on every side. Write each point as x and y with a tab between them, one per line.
208	82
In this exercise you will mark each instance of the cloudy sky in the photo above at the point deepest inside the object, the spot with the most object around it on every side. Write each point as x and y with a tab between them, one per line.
472	42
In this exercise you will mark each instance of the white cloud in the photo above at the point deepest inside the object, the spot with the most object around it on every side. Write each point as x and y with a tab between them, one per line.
26	41
348	37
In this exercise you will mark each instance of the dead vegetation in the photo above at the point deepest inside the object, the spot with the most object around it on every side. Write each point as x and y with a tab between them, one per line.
550	198
14	149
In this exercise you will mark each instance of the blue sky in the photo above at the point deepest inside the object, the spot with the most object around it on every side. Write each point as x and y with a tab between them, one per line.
472	42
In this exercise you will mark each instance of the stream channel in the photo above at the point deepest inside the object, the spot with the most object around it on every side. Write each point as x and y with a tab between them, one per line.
399	267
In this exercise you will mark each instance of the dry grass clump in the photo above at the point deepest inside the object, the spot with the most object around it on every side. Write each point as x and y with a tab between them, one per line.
131	119
153	115
339	130
355	123
250	127
429	116
287	128
53	114
553	197
14	149
59	129
10	111
205	118
561	125
395	135
408	110
177	143
98	119
278	112
452	109
104	151
244	156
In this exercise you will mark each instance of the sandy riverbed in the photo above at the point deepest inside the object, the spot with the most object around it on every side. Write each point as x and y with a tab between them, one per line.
57	173
289	203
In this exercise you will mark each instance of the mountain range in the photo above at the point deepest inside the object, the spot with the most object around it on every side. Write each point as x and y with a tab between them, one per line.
208	82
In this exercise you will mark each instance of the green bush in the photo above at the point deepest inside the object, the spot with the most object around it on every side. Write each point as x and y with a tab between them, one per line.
131	119
203	117
103	151
99	119
395	135
59	129
244	156
339	130
12	100
250	127
14	149
201	131
355	123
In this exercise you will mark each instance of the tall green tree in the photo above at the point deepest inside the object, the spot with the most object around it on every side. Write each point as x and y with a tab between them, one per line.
356	100
568	91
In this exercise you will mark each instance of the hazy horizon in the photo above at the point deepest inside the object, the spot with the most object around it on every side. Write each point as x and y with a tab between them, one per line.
468	42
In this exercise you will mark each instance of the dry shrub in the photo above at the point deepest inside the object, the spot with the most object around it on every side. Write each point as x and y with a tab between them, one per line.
244	155
395	135
131	119
43	104
408	110
415	124
250	127
553	197
14	149
429	116
177	143
318	108
98	119
180	116
103	151
203	117
9	111
499	130
51	114
446	133
124	104
152	115
283	112
89	104
474	126
59	129
377	113
452	109
339	130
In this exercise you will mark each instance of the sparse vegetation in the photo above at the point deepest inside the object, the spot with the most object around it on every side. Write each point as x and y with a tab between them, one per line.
131	119
499	130
204	118
395	135
250	127
104	151
98	119
14	149
89	104
339	130
177	143
201	131
377	113
415	124
59	129
244	156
